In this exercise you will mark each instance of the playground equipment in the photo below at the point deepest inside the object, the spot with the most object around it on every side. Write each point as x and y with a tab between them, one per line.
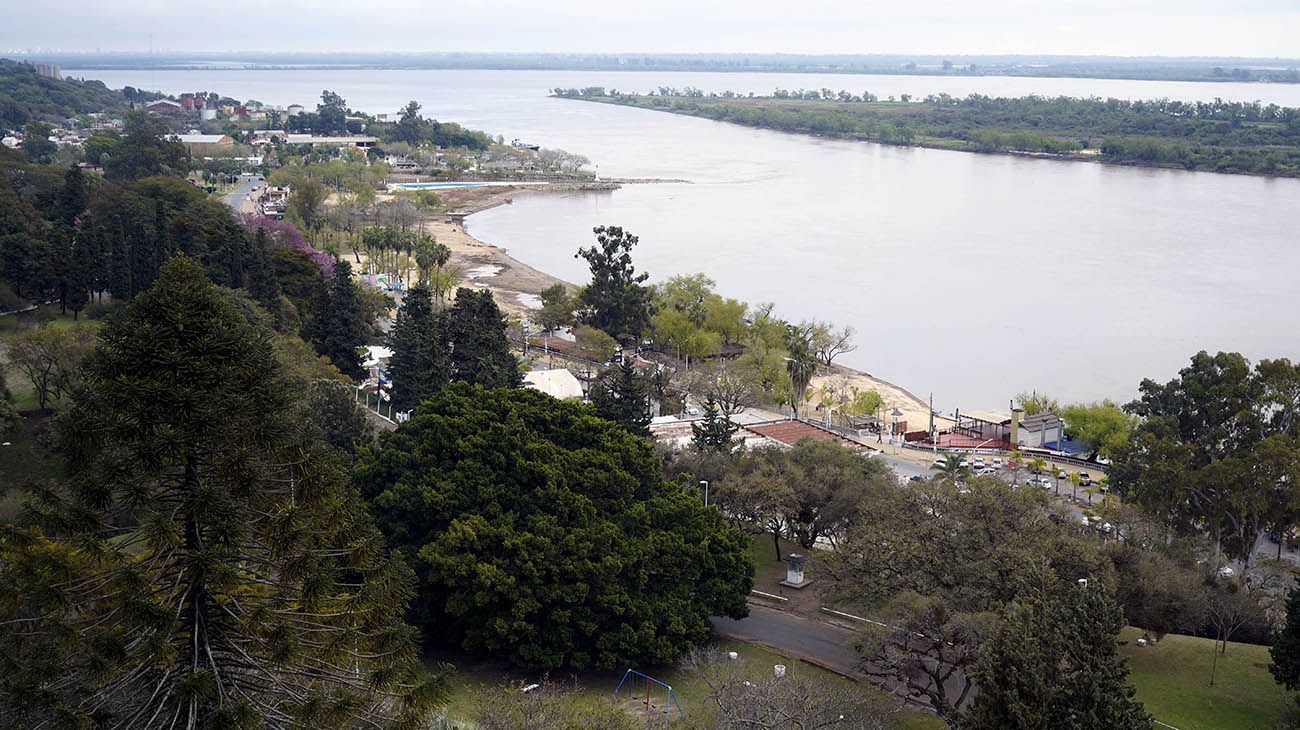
633	678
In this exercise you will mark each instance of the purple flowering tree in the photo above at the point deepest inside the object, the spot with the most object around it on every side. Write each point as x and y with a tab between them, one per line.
286	235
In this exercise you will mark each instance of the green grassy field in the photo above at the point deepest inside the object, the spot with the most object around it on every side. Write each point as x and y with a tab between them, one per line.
1173	681
598	687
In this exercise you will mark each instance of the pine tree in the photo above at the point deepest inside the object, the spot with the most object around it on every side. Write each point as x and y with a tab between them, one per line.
215	568
1054	664
621	395
262	282
715	431
337	328
480	352
420	363
1286	645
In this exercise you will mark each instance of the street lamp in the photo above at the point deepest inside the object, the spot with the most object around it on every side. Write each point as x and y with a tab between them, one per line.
704	484
896	413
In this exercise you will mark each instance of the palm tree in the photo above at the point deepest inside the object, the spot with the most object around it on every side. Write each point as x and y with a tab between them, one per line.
1013	463
952	468
801	365
1037	464
1059	474
1074	481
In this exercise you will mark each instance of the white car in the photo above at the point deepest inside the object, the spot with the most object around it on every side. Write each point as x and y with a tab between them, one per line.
978	462
997	463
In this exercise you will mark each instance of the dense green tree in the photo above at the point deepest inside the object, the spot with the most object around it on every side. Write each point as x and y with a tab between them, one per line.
715	432
548	535
557	308
830	483
1104	426
411	127
37	145
213	569
24	244
337	328
476	331
146	148
1215	450
1285	651
334	409
1054	663
263	284
616	300
421	363
621	395
331	114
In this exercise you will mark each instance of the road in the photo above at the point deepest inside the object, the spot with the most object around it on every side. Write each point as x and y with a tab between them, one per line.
238	199
823	644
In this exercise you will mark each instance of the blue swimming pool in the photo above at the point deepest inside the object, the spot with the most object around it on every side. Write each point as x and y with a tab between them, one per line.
440	185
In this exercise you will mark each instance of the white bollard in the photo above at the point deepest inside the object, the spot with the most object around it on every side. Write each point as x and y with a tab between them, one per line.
778	670
733	656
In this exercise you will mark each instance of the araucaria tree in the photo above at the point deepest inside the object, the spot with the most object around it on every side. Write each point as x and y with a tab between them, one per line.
621	395
476	331
209	566
617	300
715	431
547	535
338	328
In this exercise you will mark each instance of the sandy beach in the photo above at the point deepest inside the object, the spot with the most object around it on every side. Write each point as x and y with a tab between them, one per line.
517	286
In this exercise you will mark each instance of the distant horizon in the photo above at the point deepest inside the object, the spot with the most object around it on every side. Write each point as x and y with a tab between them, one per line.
1099	28
37	52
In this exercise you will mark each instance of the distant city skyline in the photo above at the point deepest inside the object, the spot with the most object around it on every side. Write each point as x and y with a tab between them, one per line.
1248	28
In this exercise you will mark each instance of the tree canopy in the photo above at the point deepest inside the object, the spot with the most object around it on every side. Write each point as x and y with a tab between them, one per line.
616	300
548	535
205	554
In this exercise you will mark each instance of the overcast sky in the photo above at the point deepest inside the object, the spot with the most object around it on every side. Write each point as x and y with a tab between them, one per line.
1107	27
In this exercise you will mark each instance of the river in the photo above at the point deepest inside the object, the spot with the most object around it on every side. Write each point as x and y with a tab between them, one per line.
970	276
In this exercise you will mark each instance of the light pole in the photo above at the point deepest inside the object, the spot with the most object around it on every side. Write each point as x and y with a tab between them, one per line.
894	429
704	484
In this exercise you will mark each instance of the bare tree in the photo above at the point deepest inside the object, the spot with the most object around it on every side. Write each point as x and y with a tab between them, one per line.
745	695
829	343
928	650
732	392
1230	607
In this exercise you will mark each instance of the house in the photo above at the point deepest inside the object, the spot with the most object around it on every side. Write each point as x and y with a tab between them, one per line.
558	383
295	109
164	106
273	201
401	164
1040	431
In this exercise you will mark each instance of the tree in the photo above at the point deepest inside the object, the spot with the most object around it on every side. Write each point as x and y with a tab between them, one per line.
420	364
549	536
480	352
1230	606
331	114
145	149
557	308
828	343
1035	403
715	432
830	483
1054	663
800	365
593	344
1285	650
411	127
214	569
337	327
308	202
49	357
620	395
37	146
1104	426
334	409
616	299
952	467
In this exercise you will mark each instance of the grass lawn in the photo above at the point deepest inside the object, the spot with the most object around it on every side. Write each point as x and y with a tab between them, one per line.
598	687
1173	681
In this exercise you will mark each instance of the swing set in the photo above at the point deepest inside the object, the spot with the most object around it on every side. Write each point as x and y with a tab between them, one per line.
632	679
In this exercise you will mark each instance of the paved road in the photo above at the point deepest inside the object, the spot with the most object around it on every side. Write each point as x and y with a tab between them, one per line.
821	643
237	199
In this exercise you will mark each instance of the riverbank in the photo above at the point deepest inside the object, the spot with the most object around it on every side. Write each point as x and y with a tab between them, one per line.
517	287
1217	136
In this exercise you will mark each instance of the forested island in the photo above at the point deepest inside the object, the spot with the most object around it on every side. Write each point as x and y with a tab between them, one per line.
1213	136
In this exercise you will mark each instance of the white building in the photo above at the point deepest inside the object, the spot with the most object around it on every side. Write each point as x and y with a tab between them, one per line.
1041	431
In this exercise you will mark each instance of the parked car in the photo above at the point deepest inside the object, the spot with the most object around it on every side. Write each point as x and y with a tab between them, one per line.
1084	479
978	462
997	462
